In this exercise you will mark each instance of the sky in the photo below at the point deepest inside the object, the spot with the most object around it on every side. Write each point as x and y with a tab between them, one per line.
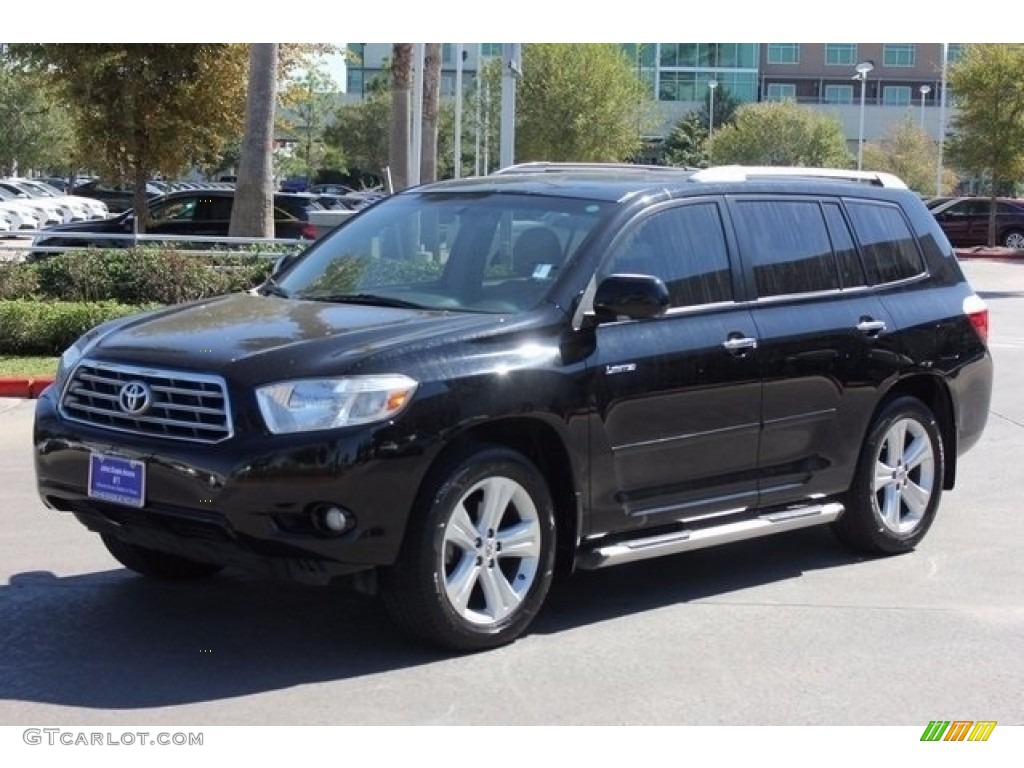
522	21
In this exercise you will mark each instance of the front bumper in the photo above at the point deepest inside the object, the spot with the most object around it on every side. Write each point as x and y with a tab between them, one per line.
248	501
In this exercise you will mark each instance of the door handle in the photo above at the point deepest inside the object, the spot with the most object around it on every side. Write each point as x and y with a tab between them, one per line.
737	344
870	327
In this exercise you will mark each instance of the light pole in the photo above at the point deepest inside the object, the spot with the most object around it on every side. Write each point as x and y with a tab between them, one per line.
925	90
712	84
862	74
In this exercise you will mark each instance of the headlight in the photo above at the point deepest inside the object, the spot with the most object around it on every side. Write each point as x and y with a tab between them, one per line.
67	361
311	404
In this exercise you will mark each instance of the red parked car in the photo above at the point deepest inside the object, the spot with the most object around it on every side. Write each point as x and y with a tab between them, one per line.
965	221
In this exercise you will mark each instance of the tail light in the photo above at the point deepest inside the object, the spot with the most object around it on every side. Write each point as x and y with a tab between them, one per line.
977	312
309	231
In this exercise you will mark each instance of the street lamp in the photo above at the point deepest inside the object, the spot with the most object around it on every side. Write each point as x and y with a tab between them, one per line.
862	74
712	84
925	90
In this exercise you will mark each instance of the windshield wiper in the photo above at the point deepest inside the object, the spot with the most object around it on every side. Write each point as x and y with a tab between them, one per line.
363	298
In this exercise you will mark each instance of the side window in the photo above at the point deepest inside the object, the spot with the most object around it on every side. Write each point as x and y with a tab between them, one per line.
684	246
887	243
850	269
788	246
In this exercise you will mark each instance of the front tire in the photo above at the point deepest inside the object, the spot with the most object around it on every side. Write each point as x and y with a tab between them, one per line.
479	553
160	565
898	482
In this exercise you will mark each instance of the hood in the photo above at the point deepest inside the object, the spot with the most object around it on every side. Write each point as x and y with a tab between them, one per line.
272	338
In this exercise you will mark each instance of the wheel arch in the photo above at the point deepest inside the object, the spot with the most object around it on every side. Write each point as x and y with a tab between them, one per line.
543	445
934	393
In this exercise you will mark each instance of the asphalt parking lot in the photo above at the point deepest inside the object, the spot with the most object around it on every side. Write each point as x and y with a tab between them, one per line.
785	631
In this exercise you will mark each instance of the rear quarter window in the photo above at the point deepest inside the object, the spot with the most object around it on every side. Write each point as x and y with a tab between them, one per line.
887	244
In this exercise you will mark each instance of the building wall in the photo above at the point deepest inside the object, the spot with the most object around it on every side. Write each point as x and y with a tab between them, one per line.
819	77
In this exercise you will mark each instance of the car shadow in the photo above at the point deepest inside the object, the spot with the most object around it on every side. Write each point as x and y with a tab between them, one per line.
115	641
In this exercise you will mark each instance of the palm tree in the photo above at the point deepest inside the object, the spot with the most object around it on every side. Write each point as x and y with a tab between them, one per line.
252	214
401	112
431	100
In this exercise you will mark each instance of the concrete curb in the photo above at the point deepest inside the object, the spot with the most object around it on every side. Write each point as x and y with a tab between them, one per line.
24	386
984	252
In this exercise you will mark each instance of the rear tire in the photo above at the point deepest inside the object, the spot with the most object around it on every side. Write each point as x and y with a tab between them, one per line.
898	483
160	565
479	553
1014	239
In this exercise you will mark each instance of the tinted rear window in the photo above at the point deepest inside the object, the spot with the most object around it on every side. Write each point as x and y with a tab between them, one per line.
886	242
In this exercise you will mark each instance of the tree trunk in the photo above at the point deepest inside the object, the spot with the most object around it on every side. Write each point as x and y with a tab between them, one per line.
431	102
401	112
252	214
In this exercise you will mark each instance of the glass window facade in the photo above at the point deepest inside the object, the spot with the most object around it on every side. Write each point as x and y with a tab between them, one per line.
693	86
783	53
896	95
490	49
841	54
838	94
899	54
736	55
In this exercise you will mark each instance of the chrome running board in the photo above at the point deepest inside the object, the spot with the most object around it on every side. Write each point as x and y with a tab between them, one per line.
685	541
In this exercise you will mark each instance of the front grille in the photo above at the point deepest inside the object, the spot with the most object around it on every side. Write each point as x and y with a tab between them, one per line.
181	405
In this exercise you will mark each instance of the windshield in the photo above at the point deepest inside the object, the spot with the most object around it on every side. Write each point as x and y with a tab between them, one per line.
475	252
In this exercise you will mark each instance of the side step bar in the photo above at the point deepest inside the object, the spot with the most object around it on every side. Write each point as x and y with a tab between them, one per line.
686	541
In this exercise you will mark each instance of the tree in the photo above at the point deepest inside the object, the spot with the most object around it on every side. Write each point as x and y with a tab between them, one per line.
146	108
307	103
987	133
401	114
36	132
252	214
781	133
431	106
685	143
579	102
908	152
725	107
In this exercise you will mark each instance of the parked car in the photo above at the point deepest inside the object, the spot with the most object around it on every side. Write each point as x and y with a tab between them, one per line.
118	197
46	213
965	221
202	212
91	208
69	209
22	219
475	382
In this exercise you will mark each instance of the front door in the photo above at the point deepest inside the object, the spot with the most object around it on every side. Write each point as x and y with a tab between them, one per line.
677	397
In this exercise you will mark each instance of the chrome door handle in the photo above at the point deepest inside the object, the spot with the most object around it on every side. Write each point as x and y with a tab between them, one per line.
739	343
872	327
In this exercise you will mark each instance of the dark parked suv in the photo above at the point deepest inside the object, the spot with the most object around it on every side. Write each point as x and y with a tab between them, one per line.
475	382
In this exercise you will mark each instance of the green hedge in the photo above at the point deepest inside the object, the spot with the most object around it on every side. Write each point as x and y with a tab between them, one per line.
45	305
132	276
31	327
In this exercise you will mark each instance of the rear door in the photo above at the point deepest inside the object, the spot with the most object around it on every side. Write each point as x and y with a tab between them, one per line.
677	397
824	342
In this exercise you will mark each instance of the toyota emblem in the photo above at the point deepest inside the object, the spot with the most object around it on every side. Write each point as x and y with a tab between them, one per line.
135	398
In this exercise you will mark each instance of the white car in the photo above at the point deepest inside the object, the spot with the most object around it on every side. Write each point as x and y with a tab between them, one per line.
89	207
21	218
50	213
69	211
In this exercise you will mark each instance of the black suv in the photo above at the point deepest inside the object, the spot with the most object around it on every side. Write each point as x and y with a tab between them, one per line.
203	211
474	382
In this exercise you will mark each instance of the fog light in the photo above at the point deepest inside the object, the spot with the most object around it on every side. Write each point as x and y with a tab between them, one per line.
332	519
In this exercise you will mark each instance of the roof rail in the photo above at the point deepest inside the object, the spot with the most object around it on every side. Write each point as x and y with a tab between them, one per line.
751	172
550	167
